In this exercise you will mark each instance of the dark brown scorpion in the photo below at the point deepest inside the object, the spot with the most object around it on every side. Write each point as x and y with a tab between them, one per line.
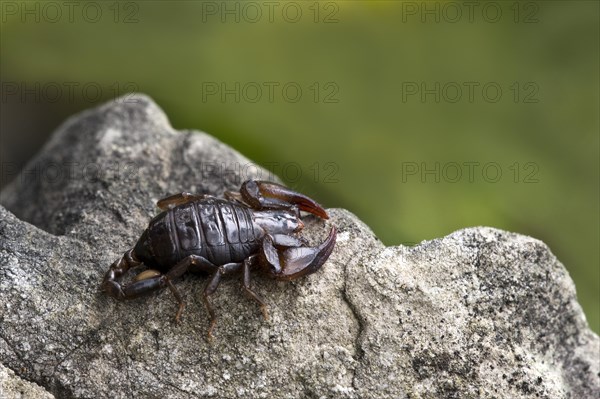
255	228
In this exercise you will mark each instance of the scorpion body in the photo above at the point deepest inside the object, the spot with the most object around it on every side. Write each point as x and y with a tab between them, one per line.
256	227
218	230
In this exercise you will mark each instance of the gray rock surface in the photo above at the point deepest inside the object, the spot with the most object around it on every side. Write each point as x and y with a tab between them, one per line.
14	387
481	313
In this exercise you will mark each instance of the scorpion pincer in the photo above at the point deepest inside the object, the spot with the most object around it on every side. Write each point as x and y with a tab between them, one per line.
253	229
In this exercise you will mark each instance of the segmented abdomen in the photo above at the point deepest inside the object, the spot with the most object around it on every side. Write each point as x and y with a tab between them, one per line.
218	230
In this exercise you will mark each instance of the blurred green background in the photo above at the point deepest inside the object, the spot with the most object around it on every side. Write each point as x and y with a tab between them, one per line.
421	118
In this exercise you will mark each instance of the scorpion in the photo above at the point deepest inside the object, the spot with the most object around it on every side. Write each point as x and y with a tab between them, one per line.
256	228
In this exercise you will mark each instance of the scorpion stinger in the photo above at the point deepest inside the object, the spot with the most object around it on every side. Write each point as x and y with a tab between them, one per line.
268	195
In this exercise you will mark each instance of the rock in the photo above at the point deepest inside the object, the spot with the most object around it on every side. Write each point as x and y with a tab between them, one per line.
14	387
481	313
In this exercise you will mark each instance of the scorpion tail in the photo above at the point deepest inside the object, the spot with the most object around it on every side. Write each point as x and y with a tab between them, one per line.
264	194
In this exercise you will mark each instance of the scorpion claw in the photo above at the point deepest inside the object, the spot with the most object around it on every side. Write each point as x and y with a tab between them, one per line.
301	261
264	194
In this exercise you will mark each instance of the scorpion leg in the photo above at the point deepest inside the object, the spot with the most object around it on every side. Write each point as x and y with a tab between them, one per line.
212	286
178	199
150	280
117	269
145	282
210	289
267	195
194	262
246	284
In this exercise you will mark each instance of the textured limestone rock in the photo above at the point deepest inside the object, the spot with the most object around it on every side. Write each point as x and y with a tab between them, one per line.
480	313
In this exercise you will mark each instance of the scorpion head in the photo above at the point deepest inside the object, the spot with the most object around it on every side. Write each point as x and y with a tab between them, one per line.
276	207
276	210
280	221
